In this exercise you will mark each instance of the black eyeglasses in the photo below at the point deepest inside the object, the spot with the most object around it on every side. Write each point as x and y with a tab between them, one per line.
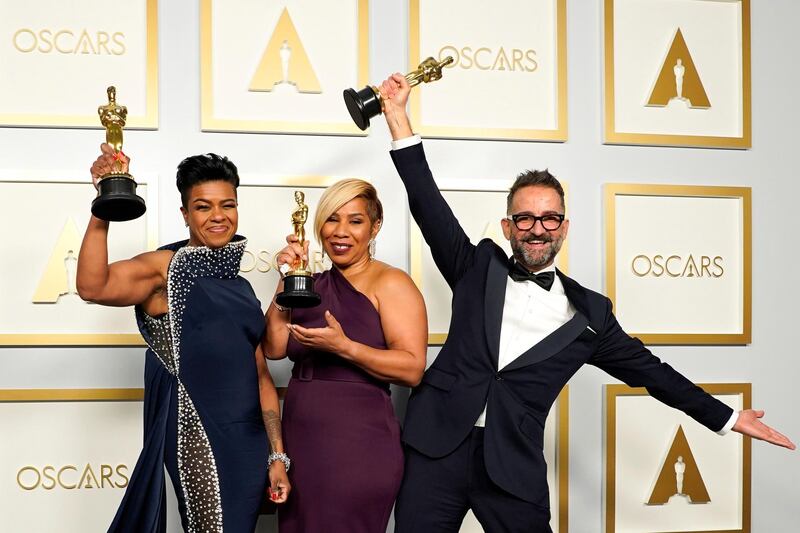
526	222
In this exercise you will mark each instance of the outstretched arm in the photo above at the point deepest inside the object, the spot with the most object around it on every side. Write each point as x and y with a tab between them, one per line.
452	250
627	359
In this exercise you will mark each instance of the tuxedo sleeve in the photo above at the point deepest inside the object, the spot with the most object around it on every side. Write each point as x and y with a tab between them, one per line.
452	250
628	360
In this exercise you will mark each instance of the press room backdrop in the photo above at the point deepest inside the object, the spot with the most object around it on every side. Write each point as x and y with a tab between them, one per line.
313	160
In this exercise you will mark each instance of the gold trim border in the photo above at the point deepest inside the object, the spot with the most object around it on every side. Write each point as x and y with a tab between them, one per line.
450	132
612	392
416	246
208	120
304	180
650	139
612	190
562	459
71	339
71	395
148	121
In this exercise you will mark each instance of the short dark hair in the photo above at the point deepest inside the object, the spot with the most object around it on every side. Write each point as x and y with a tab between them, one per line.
202	168
535	178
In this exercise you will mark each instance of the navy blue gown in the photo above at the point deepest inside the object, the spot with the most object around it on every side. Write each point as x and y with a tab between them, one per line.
202	416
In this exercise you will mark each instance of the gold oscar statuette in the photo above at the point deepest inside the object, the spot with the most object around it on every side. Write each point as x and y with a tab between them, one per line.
116	191
366	103
298	284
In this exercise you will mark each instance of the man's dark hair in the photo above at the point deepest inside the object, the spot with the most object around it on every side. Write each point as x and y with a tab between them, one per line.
538	178
202	168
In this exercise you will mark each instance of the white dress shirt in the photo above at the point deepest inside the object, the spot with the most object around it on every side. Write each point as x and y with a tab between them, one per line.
530	313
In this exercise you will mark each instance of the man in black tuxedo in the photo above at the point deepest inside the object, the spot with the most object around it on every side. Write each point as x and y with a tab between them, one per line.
520	329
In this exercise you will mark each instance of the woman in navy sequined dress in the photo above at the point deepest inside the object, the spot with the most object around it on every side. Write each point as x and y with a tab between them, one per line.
369	331
211	412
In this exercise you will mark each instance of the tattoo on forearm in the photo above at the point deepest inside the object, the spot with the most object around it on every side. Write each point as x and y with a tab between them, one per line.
272	422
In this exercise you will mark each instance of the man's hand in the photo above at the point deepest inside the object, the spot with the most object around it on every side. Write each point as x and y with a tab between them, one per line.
749	424
394	97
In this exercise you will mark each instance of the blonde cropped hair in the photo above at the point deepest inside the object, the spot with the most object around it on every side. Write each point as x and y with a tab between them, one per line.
342	192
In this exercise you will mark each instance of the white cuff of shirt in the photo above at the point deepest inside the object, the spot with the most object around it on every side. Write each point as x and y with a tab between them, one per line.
729	425
399	144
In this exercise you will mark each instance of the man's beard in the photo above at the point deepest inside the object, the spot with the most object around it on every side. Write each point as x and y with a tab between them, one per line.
533	260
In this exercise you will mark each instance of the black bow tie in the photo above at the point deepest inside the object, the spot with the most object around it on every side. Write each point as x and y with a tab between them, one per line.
544	279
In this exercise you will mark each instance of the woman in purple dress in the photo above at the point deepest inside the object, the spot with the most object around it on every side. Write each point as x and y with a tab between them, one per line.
370	330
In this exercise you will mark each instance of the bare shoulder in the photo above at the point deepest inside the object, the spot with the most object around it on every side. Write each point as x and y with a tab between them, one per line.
390	279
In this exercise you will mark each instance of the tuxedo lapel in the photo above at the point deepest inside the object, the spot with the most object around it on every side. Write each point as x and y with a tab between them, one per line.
494	301
574	292
561	338
552	344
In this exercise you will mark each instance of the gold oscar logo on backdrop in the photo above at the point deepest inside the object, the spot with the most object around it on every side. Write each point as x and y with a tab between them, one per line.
676	266
263	261
61	270
66	41
72	477
679	80
285	66
486	58
679	479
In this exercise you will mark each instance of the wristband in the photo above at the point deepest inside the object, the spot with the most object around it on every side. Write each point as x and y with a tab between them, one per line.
282	457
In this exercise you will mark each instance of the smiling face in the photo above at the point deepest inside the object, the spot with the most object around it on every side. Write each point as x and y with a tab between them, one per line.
347	232
537	247
211	213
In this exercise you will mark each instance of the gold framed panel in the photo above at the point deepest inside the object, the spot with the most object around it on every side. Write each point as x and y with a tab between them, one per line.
72	450
613	392
614	136
419	252
49	338
558	134
136	119
614	190
211	121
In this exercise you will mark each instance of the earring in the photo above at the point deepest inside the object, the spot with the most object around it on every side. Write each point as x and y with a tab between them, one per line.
371	249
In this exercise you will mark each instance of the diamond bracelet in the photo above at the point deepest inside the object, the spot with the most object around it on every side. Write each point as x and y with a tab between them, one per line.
282	457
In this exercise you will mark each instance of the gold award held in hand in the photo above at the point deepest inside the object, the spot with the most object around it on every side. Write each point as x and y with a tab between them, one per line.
298	284
366	103
116	199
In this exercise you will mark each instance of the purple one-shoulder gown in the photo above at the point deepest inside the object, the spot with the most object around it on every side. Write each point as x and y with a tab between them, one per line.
339	426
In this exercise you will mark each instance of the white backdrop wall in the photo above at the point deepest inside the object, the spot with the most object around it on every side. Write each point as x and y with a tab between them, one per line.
770	362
